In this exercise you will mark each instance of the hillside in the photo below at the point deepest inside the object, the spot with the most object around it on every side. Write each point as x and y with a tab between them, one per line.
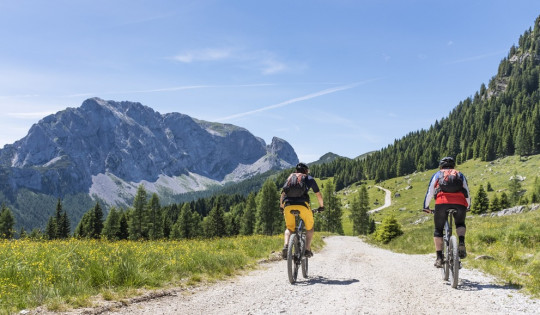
512	241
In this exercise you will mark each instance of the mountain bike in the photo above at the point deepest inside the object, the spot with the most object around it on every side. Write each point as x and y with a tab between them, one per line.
297	248
452	263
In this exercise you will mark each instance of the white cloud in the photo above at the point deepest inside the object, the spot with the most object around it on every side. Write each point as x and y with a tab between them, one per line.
264	61
210	54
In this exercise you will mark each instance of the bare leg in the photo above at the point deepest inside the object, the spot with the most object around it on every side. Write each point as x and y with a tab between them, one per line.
309	237
438	243
287	236
461	231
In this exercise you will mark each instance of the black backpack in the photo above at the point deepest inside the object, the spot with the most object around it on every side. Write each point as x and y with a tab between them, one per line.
296	185
449	181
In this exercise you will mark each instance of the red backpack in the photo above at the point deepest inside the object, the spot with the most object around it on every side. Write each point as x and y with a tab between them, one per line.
449	181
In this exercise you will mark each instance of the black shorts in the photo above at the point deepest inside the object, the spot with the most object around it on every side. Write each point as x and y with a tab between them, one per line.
440	216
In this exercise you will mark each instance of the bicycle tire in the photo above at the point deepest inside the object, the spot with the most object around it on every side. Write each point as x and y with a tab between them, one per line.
304	261
454	262
446	264
292	265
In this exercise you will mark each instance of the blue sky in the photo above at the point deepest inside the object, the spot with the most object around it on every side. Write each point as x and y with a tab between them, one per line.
327	76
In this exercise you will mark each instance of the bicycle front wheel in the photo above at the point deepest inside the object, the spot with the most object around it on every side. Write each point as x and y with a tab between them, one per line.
304	258
454	261
293	254
446	264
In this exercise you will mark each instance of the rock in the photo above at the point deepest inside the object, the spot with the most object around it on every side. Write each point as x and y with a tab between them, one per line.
396	195
421	220
519	177
408	187
484	257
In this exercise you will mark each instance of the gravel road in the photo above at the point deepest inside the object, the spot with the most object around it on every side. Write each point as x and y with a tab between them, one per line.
347	277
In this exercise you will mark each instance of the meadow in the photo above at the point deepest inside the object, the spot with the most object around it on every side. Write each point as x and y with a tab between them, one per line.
66	274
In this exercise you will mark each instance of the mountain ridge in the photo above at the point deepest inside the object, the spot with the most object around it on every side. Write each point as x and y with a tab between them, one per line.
106	149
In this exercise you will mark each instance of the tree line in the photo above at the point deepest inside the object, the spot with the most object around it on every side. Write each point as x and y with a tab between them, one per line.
216	216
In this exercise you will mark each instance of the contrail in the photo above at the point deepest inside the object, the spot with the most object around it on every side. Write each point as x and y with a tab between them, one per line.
294	100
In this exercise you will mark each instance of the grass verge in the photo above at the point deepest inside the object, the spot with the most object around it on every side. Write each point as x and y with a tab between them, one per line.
63	274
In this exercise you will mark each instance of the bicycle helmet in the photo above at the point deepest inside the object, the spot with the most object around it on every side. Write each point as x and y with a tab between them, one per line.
447	162
302	168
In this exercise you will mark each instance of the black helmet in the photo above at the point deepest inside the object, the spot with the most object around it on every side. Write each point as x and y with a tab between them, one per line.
447	162
302	168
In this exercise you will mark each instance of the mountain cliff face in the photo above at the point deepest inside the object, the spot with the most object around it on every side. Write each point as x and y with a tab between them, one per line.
106	149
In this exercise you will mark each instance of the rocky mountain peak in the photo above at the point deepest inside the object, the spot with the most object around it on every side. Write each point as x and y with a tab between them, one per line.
119	145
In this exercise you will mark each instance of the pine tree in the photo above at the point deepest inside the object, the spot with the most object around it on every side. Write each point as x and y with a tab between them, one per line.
7	223
505	202
64	228
215	225
331	217
137	217
184	226
111	227
481	201
248	219
154	218
269	220
196	221
50	229
389	229
124	226
96	222
167	226
495	204
359	212
57	218
514	187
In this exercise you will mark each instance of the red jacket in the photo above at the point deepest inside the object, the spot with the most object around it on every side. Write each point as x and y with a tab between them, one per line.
457	198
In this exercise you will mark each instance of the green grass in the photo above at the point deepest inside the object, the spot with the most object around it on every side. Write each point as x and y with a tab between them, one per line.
64	274
513	241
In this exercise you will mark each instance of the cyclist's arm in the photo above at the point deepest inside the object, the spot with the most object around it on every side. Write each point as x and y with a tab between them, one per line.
281	199
431	191
320	199
466	187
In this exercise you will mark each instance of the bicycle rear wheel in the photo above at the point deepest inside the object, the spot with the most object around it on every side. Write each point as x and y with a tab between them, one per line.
293	254
454	262
304	261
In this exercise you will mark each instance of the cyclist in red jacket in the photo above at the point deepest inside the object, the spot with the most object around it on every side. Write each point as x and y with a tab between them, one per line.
449	188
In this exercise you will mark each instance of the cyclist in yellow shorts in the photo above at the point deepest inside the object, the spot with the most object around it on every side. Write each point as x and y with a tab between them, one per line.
294	196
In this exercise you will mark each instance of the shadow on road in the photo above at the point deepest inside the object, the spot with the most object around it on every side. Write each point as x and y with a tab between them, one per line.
467	285
323	280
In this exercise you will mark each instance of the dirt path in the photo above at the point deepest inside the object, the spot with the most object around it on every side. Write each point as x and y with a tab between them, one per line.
347	277
387	200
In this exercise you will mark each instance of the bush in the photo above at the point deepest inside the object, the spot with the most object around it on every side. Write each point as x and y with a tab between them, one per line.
388	230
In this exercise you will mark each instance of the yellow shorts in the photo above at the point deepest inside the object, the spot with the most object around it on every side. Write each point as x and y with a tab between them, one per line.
305	213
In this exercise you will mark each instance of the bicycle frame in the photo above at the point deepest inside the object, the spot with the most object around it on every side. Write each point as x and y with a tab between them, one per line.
297	247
